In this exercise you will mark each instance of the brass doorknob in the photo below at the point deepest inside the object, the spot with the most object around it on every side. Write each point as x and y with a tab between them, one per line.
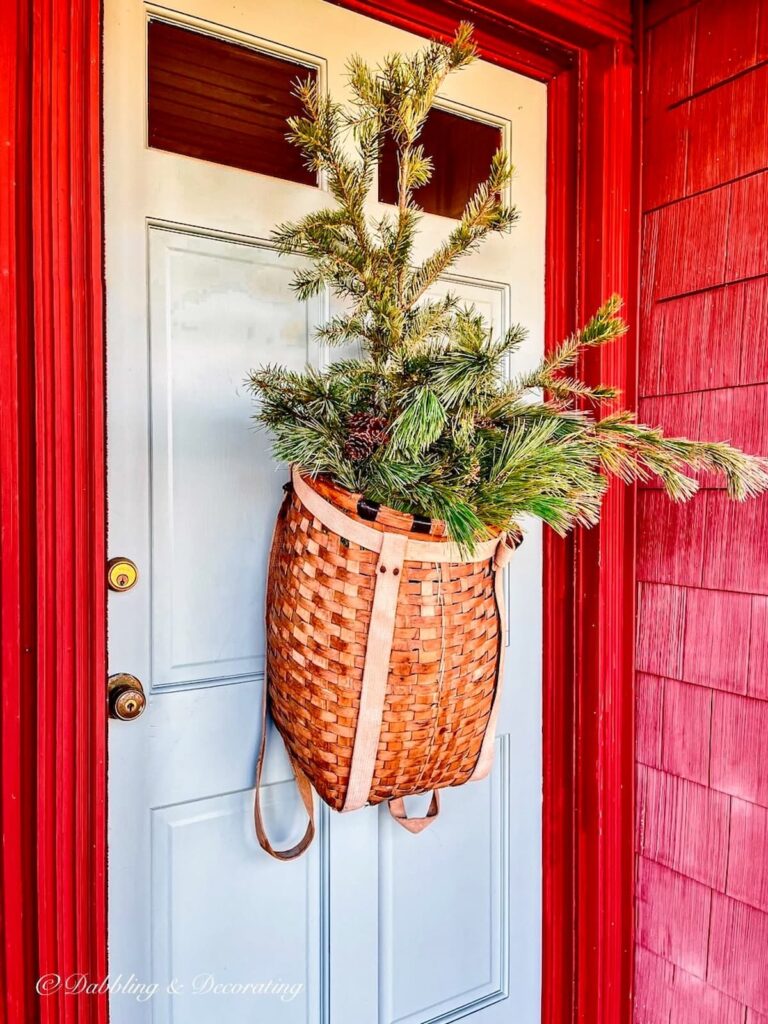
126	697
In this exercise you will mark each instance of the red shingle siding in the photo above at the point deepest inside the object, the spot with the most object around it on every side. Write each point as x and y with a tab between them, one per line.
702	639
649	694
653	991
693	999
679	937
716	638
736	547
737	961
739	755
687	727
725	45
757	685
672	552
661	612
748	866
683	826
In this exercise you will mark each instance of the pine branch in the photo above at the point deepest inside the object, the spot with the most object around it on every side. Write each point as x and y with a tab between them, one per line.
426	421
602	329
343	329
467	372
533	471
485	213
429	322
633	451
570	388
420	423
318	135
507	408
389	479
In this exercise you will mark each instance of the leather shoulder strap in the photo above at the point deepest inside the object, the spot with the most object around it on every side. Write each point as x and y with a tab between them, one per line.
305	792
302	782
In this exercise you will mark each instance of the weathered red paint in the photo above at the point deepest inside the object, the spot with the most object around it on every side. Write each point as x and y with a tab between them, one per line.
52	501
702	713
683	826
687	719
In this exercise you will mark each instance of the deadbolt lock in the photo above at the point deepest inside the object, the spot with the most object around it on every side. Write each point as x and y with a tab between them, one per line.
122	574
126	697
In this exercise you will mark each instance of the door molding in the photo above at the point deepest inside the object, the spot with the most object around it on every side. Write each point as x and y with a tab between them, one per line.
52	509
52	501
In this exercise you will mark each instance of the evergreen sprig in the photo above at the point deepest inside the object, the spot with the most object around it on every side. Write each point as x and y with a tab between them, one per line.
427	421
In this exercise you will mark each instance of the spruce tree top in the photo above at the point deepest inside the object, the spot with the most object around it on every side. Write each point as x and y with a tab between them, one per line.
425	421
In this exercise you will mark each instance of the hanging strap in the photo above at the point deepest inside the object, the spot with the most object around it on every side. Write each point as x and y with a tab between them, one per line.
305	792
302	782
415	825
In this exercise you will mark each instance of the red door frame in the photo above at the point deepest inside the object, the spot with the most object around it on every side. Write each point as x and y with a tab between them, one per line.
52	501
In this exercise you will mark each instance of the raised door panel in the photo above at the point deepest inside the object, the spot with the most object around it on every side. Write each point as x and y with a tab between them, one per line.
444	907
217	307
233	932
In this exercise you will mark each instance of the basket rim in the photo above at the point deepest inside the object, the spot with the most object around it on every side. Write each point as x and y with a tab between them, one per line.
388	520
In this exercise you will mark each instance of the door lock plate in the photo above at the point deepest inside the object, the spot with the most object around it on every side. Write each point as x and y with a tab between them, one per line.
122	574
126	697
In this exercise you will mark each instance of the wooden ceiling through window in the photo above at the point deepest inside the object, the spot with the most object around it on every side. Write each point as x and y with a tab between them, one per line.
221	101
461	149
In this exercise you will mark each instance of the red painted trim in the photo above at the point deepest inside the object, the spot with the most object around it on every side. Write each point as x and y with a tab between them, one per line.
53	510
522	50
558	820
17	952
53	484
586	21
605	569
588	705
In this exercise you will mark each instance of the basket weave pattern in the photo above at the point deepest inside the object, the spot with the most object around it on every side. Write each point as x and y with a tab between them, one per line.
442	670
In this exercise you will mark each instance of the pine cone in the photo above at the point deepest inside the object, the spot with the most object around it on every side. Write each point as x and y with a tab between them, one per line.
366	433
357	449
484	423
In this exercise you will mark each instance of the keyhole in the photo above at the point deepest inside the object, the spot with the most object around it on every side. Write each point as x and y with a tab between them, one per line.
122	580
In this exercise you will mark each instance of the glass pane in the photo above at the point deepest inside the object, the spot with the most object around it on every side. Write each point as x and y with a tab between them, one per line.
461	150
223	102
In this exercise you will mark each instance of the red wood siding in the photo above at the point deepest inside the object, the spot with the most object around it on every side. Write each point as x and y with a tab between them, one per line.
702	650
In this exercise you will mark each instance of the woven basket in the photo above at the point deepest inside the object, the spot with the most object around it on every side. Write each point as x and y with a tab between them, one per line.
384	651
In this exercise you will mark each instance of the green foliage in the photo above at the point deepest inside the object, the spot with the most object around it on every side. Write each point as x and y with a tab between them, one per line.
427	421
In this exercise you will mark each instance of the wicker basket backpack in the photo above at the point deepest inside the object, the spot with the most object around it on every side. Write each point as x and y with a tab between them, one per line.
384	654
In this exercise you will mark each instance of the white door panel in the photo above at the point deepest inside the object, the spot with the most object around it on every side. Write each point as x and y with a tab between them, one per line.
373	924
216	308
210	897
